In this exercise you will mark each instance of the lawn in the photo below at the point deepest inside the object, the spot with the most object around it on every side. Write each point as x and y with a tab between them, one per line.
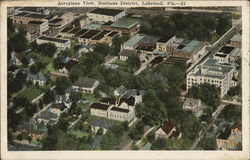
78	133
90	97
51	68
29	93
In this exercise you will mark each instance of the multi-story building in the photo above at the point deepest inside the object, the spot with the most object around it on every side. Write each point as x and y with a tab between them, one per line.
25	17
37	27
236	41
127	26
165	43
227	54
59	42
191	50
214	73
105	15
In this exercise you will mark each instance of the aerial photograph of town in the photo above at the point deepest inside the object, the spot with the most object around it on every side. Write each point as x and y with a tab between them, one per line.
138	78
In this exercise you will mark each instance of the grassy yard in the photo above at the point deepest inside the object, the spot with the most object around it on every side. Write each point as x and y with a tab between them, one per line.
29	93
90	97
78	133
51	68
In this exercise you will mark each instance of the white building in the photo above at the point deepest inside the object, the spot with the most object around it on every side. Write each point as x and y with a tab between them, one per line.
59	42
214	73
105	15
85	85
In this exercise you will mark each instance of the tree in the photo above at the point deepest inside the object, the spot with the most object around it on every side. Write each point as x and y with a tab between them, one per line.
134	61
100	131
137	131
207	114
75	97
224	24
103	49
208	144
18	42
117	41
49	96
234	91
151	137
48	49
231	113
62	83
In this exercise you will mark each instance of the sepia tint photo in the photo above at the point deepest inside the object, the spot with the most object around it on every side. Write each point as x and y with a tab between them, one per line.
138	78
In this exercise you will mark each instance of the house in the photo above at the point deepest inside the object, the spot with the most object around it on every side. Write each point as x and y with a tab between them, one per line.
193	105
124	54
167	130
231	138
119	91
214	73
58	108
85	85
47	117
236	41
86	48
19	59
38	78
100	124
65	68
37	27
61	43
105	15
63	99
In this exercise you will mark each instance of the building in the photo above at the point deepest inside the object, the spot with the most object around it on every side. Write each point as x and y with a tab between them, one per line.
193	105
38	78
56	22
191	49
25	17
126	26
47	117
121	109
214	73
236	41
227	54
231	138
40	10
37	27
132	43
124	54
105	15
120	91
165	43
85	85
19	59
59	42
67	17
167	130
58	108
65	68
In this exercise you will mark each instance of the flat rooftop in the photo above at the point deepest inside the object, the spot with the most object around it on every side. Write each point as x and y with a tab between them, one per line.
101	35
107	12
33	15
134	40
36	22
22	14
236	38
58	40
125	23
190	46
90	34
226	49
166	38
112	34
81	32
56	20
66	29
74	31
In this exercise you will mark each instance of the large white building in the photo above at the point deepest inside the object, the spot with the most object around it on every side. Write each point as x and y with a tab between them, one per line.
105	15
59	42
214	73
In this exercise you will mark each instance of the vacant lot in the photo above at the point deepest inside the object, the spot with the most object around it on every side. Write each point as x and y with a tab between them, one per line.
29	93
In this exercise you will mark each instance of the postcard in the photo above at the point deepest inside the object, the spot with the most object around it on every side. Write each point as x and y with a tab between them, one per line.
124	79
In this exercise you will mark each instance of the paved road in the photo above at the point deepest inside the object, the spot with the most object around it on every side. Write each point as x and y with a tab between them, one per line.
144	65
203	132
